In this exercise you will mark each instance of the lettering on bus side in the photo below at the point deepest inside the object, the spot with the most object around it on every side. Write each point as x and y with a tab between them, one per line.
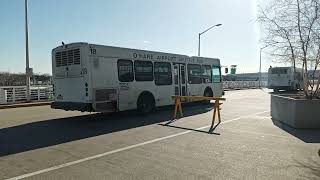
200	61
168	58
143	56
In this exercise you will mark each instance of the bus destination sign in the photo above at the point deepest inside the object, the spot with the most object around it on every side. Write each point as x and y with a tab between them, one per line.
147	56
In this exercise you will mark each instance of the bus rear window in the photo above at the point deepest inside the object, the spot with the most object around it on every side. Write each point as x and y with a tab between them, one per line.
279	71
125	70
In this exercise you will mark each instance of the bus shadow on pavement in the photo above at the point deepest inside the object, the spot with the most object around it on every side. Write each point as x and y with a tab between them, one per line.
305	135
51	132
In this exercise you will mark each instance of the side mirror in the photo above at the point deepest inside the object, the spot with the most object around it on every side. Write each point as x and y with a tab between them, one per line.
226	70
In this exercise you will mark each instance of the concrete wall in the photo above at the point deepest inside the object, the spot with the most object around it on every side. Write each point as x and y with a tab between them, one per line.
243	84
298	113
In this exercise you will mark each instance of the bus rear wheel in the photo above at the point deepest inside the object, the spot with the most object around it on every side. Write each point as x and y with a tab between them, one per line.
146	103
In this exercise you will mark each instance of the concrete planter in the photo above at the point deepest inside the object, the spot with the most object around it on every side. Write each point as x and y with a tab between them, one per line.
297	113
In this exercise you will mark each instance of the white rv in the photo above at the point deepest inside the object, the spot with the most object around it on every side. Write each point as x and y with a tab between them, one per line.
284	78
90	77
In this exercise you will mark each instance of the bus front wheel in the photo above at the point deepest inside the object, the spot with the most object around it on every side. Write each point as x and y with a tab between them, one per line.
208	93
146	103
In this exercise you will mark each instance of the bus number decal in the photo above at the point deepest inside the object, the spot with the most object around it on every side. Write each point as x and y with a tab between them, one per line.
93	51
84	71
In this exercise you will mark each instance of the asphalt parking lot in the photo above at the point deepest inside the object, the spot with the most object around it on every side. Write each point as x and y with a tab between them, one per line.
41	143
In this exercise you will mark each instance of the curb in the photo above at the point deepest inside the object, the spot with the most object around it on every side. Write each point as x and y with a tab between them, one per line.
9	106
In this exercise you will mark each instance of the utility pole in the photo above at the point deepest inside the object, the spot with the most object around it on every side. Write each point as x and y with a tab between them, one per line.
199	45
260	65
203	33
28	70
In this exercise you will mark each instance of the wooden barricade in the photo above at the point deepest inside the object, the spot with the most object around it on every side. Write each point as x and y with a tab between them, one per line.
216	105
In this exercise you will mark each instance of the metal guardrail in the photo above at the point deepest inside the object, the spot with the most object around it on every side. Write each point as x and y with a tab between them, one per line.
243	84
17	94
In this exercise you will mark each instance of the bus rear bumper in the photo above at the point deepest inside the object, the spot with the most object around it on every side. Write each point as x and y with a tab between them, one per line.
72	106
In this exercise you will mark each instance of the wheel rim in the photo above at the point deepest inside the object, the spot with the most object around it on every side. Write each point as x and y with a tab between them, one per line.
146	105
207	94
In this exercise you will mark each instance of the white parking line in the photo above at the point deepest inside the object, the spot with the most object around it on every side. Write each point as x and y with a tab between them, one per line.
119	150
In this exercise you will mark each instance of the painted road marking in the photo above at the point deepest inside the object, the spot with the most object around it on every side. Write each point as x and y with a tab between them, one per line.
120	150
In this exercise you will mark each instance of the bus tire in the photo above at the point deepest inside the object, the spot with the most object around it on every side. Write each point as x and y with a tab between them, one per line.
208	93
145	103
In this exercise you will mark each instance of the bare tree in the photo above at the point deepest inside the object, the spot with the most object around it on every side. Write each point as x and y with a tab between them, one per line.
292	29
18	79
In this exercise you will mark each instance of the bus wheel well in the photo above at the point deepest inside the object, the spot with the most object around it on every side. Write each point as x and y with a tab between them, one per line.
145	102
146	93
208	92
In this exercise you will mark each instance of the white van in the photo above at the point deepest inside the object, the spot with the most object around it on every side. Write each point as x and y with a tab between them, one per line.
284	78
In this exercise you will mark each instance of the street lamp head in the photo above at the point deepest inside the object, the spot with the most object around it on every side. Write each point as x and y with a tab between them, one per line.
218	24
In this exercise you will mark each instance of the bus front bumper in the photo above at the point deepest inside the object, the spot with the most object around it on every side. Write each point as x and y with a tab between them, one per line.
72	106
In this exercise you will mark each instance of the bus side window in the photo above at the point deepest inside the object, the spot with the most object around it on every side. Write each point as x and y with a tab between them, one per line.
162	73
216	74
194	74
143	70
206	74
125	70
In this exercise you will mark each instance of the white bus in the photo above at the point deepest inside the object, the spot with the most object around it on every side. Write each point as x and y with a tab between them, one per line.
284	78
97	78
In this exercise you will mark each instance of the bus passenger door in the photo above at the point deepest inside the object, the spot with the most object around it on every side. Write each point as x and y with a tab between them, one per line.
183	83
179	76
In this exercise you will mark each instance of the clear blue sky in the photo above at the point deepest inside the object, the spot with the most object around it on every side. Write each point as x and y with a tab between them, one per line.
162	25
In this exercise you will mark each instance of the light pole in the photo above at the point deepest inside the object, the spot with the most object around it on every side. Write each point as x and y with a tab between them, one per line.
203	33
28	70
260	65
